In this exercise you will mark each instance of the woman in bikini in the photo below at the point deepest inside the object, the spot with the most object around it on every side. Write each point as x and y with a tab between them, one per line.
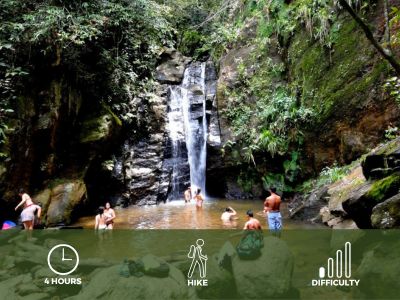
100	220
28	213
110	216
199	199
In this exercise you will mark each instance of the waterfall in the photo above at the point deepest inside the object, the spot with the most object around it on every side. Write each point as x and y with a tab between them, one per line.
187	128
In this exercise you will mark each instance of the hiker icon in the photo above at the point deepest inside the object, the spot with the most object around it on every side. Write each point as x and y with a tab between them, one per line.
198	259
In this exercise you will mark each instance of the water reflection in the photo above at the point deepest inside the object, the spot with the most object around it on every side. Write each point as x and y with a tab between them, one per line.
180	215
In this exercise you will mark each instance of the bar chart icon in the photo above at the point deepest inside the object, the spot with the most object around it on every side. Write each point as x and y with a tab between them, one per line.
339	266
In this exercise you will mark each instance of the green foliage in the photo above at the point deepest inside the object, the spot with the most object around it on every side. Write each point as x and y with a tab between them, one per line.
276	180
391	133
392	86
246	180
107	48
395	22
331	174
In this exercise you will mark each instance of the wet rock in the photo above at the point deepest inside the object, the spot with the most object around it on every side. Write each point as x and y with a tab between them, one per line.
64	199
172	68
387	214
268	276
379	272
340	237
108	284
155	267
44	272
8	287
27	288
36	296
221	283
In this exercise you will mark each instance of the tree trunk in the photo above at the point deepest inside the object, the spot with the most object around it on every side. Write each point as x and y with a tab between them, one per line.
386	54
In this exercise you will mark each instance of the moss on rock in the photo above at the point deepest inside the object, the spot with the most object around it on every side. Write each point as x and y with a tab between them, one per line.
335	80
97	129
381	189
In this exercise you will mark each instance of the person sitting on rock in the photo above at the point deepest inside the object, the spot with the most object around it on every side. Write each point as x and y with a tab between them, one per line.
228	215
252	223
28	213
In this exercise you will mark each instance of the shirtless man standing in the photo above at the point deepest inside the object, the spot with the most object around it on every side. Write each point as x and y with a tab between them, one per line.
272	209
252	223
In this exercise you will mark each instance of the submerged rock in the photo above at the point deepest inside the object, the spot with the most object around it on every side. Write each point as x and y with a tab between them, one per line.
379	272
108	284
268	276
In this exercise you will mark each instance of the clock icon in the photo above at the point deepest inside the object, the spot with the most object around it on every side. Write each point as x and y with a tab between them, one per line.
63	259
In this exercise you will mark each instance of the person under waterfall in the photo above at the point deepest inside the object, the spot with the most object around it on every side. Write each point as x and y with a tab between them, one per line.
272	209
198	259
188	195
199	199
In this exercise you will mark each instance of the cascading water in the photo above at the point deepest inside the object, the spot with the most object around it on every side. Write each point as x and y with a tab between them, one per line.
176	131
194	112
187	125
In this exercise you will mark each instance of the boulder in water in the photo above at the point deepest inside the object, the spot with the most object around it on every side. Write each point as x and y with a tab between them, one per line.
268	276
108	284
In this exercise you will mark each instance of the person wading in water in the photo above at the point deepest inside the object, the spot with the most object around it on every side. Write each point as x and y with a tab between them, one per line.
229	214
110	216
188	195
199	199
252	223
272	209
100	220
28	213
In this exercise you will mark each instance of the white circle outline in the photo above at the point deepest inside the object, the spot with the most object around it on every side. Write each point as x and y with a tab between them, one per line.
63	245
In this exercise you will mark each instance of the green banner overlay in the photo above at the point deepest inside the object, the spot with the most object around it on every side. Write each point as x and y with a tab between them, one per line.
199	264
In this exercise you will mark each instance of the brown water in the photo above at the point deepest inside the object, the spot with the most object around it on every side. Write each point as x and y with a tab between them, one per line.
178	215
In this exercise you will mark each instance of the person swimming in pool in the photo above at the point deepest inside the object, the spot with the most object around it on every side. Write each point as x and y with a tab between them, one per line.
28	213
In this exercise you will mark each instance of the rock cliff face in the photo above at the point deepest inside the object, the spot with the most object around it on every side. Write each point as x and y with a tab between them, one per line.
72	156
368	197
343	85
59	135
